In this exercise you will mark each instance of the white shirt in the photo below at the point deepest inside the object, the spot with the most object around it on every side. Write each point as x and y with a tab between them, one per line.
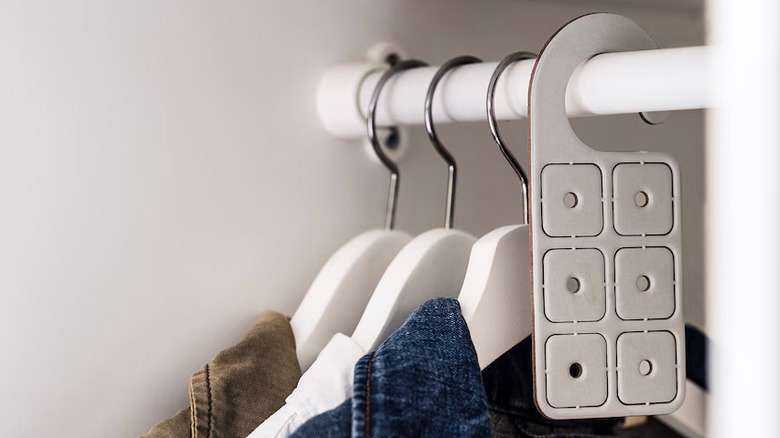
326	384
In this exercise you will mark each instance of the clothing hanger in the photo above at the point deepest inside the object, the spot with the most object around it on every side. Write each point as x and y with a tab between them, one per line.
495	297
431	265
339	294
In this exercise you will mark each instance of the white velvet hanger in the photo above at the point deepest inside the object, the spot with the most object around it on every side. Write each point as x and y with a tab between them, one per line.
432	265
495	298
339	294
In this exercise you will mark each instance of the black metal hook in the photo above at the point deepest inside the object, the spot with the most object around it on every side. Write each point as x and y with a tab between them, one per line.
444	153
392	195
493	123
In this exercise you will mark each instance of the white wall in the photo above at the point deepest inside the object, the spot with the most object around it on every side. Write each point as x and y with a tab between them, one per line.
165	180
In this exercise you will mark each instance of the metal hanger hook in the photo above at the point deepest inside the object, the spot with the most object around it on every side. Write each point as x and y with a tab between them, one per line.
493	123
444	153
392	195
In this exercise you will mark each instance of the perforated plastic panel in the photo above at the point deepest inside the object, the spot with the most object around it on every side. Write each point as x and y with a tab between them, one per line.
608	328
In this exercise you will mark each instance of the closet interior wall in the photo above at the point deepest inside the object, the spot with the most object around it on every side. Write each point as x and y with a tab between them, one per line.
165	179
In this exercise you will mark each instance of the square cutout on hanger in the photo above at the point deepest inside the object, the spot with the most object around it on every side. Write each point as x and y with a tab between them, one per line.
644	283
647	367
643	199
574	288
576	370
572	200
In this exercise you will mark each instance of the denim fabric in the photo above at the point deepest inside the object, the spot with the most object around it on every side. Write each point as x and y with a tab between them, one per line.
509	386
510	391
336	423
423	381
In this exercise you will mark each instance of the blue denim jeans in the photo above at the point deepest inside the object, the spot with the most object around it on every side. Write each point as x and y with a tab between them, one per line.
424	380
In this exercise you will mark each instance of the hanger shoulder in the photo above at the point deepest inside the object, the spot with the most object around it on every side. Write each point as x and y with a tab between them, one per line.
495	297
339	294
432	265
690	420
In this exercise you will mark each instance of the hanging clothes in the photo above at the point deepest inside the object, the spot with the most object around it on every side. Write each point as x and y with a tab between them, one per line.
240	387
325	385
424	380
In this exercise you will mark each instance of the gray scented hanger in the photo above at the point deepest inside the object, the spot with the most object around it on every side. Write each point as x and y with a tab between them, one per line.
606	252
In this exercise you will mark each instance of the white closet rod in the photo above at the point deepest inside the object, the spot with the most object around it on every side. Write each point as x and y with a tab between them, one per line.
611	83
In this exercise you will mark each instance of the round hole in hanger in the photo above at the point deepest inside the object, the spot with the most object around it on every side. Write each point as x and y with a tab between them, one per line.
645	367
575	370
573	285
641	199
570	200
643	283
